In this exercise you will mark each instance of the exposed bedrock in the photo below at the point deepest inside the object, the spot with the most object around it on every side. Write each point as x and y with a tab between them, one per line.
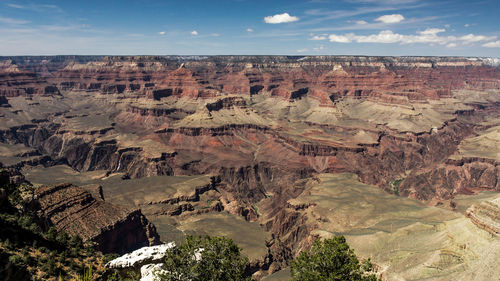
393	156
486	215
324	78
251	184
86	154
18	82
446	180
226	103
379	163
73	209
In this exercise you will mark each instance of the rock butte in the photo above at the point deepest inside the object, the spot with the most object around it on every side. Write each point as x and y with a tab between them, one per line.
260	128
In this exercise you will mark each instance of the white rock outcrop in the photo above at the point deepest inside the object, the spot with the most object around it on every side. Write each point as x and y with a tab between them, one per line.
149	272
142	255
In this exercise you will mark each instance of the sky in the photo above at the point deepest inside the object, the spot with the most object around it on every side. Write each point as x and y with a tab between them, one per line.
250	27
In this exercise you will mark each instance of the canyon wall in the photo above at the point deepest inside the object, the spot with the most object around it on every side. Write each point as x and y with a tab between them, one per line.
263	126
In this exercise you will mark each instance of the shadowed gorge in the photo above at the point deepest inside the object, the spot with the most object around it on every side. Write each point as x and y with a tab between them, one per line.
272	151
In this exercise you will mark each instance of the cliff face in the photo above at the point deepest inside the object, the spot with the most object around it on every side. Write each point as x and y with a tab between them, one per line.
324	78
73	209
15	82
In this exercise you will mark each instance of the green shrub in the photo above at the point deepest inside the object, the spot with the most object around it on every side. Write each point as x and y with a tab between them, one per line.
62	237
205	258
76	242
114	277
15	259
51	234
332	260
395	186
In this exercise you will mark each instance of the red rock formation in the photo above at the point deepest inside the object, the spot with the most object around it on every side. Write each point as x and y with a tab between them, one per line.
15	82
444	181
384	77
72	209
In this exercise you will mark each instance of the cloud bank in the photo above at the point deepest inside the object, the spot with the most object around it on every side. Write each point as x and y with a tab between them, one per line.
495	44
430	35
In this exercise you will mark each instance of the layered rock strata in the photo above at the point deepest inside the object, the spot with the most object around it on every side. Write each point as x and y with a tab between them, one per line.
324	78
72	209
486	215
17	82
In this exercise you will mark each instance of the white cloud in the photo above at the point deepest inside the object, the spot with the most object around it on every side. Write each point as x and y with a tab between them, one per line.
340	38
466	25
280	18
451	45
16	6
360	22
194	32
394	18
430	36
302	50
471	38
249	30
36	7
432	31
215	34
161	33
495	44
318	37
385	36
12	21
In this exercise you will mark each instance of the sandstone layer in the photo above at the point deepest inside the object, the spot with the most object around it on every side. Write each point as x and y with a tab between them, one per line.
486	215
73	209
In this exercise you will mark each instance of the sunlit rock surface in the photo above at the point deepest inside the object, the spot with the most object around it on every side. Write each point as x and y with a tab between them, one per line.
141	256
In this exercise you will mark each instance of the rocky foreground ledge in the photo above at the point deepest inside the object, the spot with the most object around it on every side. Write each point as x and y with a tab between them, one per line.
147	259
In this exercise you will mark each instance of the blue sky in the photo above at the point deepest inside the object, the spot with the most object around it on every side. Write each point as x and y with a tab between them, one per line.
250	27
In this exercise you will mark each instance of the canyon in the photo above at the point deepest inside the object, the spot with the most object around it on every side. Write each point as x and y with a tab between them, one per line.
272	151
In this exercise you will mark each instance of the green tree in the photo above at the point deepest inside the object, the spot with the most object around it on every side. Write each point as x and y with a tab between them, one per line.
76	242
205	258
51	234
63	237
332	260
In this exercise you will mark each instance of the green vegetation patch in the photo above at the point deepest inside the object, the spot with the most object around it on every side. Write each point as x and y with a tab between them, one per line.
31	251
